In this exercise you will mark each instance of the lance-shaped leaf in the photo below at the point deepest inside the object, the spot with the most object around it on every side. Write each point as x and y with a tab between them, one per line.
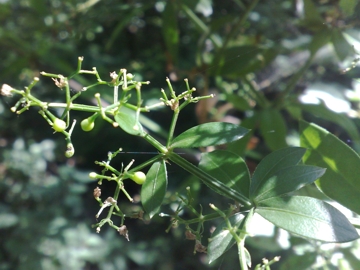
228	168
209	134
154	188
308	217
287	180
128	122
341	180
221	239
274	162
273	128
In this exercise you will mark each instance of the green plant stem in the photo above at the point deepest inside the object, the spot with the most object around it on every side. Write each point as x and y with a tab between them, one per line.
200	25
172	126
209	180
162	149
202	218
242	257
116	196
259	97
145	164
239	22
241	239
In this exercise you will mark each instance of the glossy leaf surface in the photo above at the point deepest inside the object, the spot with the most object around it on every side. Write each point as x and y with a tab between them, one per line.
341	180
308	217
208	134
287	180
228	168
154	188
341	119
272	163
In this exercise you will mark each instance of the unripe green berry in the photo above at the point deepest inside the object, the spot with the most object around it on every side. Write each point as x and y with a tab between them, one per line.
138	177
87	124
59	125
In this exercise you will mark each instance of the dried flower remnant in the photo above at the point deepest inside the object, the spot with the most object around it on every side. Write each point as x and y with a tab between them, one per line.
124	231
189	235
97	192
199	247
60	82
113	76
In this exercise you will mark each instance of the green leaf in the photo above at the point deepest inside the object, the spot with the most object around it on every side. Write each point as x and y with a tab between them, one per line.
341	119
312	18
341	45
287	180
238	101
341	180
273	163
348	6
127	121
273	129
221	239
170	30
308	217
228	168
208	134
319	40
241	60
311	12
154	189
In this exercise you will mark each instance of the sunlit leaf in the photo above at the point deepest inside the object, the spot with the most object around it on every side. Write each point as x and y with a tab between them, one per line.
341	119
308	217
208	134
341	180
154	189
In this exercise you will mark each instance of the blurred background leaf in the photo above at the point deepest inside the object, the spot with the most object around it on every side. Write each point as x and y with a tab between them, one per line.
260	60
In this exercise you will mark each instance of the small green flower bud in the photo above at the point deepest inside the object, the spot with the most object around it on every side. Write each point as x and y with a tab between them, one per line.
93	175
129	76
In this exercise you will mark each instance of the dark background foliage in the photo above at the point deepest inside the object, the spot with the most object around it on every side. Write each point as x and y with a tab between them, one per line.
223	47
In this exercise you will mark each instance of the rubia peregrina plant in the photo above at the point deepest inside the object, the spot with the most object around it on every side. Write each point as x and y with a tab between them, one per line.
269	192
